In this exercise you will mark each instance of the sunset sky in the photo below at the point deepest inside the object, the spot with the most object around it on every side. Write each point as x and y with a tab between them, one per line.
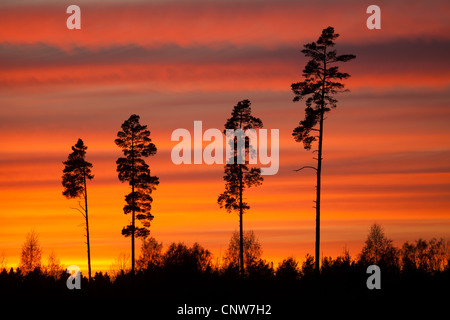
386	145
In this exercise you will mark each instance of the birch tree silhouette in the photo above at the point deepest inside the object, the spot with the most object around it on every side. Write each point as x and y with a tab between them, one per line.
252	249
379	249
74	180
30	257
321	83
134	140
239	176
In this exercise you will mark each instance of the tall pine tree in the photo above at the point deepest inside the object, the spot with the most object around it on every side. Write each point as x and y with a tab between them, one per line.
74	180
321	83
239	176
134	140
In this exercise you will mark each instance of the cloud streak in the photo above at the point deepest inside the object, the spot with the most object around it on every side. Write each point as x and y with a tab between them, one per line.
206	68
213	22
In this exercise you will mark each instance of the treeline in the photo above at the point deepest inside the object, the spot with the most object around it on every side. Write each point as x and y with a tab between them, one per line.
417	269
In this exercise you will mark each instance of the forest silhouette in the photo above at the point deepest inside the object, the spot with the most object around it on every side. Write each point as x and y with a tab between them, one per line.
419	269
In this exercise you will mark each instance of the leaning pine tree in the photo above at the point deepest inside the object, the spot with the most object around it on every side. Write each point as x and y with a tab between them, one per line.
238	175
74	180
134	140
321	83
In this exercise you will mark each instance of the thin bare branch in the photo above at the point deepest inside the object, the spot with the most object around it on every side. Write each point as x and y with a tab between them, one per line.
80	211
80	205
306	167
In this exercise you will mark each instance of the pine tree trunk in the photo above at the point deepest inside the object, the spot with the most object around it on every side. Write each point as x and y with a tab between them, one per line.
87	228
241	227
318	187
132	234
319	166
133	210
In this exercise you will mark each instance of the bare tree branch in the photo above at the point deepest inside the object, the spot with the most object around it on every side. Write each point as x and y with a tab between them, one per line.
306	167
80	211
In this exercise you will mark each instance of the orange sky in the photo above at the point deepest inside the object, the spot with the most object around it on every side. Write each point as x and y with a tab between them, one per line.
386	149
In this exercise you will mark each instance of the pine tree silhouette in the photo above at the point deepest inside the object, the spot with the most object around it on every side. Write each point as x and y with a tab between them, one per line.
239	176
320	85
75	175
134	140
